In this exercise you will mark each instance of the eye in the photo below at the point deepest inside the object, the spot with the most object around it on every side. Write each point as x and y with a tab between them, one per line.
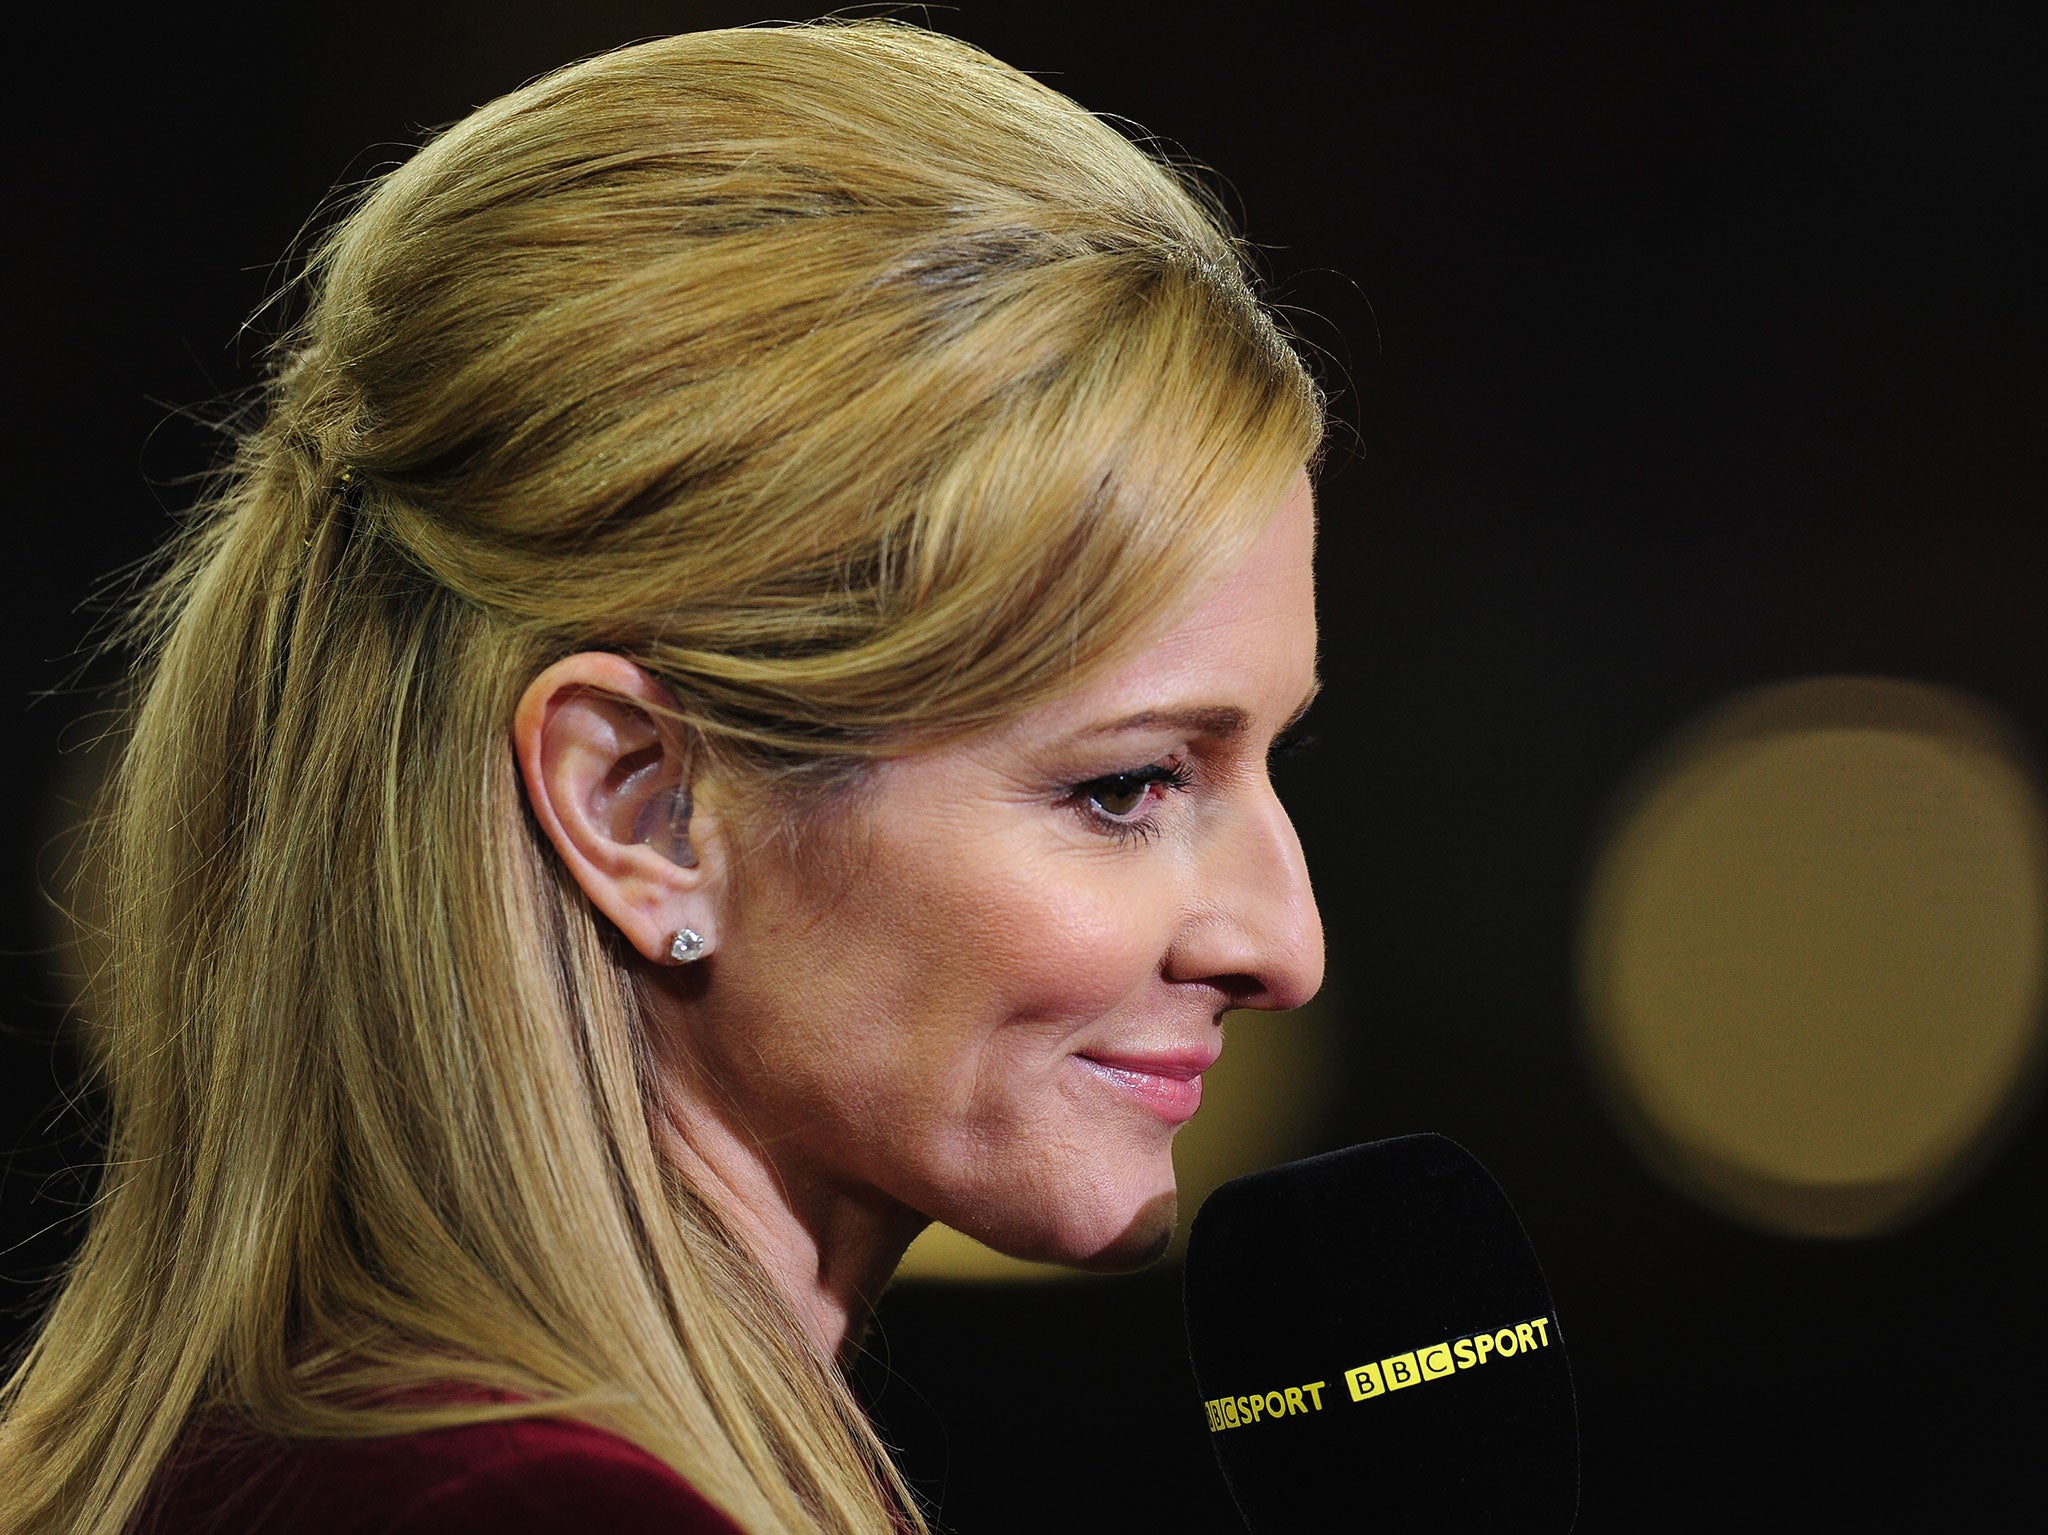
1122	794
1117	800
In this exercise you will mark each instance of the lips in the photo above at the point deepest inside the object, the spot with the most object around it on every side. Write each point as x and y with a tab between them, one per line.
1168	1082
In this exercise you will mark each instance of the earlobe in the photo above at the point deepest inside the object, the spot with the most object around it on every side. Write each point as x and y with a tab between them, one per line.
607	772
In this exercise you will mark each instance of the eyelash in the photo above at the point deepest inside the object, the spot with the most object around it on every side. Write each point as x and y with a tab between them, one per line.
1171	776
1291	744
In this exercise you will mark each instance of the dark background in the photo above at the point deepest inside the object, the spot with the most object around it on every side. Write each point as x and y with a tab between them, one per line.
1678	348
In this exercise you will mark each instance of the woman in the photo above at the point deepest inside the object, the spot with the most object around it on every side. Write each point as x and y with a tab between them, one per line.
719	717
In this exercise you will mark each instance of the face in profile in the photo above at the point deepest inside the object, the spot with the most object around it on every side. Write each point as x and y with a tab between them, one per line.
998	1012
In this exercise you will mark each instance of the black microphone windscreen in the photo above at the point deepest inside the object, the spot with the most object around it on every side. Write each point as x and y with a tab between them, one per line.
1374	1342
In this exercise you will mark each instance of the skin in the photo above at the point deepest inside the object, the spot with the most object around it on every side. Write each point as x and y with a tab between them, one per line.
923	1036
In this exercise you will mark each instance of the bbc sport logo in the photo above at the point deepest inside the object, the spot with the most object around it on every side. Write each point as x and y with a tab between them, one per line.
1381	1377
1401	1370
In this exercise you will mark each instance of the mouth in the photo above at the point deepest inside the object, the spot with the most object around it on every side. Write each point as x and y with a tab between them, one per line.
1169	1083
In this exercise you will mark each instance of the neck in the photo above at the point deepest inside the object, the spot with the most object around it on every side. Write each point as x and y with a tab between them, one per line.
830	1251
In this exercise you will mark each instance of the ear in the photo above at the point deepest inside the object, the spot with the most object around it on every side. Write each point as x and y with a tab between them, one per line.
608	776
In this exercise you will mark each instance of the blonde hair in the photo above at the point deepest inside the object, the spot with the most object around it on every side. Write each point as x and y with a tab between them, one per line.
857	386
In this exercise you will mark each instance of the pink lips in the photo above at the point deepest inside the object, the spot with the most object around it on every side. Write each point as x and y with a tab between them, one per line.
1168	1082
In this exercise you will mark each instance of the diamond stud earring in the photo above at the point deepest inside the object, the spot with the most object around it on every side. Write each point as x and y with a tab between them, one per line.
687	946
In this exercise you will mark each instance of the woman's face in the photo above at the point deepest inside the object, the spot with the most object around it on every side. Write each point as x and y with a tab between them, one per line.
998	1016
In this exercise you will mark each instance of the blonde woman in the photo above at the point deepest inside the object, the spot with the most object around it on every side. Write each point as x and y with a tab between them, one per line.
720	716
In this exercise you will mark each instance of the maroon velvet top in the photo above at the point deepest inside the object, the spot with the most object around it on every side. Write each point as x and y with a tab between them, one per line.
533	1476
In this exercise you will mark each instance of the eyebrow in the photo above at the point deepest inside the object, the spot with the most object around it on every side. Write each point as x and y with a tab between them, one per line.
1220	721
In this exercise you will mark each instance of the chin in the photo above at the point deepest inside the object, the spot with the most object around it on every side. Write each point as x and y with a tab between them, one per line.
1140	1238
1109	1211
1140	1244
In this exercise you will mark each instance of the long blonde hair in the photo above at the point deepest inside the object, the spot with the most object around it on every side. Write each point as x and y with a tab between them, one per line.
856	385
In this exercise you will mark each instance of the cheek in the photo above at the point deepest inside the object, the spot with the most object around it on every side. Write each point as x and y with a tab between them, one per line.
911	1030
939	994
1001	943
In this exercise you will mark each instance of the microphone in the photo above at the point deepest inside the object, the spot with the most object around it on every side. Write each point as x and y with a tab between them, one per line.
1375	1345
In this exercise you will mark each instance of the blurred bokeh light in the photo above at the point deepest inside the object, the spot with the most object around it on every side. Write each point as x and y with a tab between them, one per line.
1812	954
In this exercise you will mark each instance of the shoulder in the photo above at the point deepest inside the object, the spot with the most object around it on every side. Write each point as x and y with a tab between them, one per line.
537	1476
546	1474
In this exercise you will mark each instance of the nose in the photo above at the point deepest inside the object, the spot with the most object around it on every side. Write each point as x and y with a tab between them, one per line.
1252	929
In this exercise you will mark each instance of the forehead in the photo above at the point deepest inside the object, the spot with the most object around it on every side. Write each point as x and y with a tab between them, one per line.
1248	641
1241	655
1250	631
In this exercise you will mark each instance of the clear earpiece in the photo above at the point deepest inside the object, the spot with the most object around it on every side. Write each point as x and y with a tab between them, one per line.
664	824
